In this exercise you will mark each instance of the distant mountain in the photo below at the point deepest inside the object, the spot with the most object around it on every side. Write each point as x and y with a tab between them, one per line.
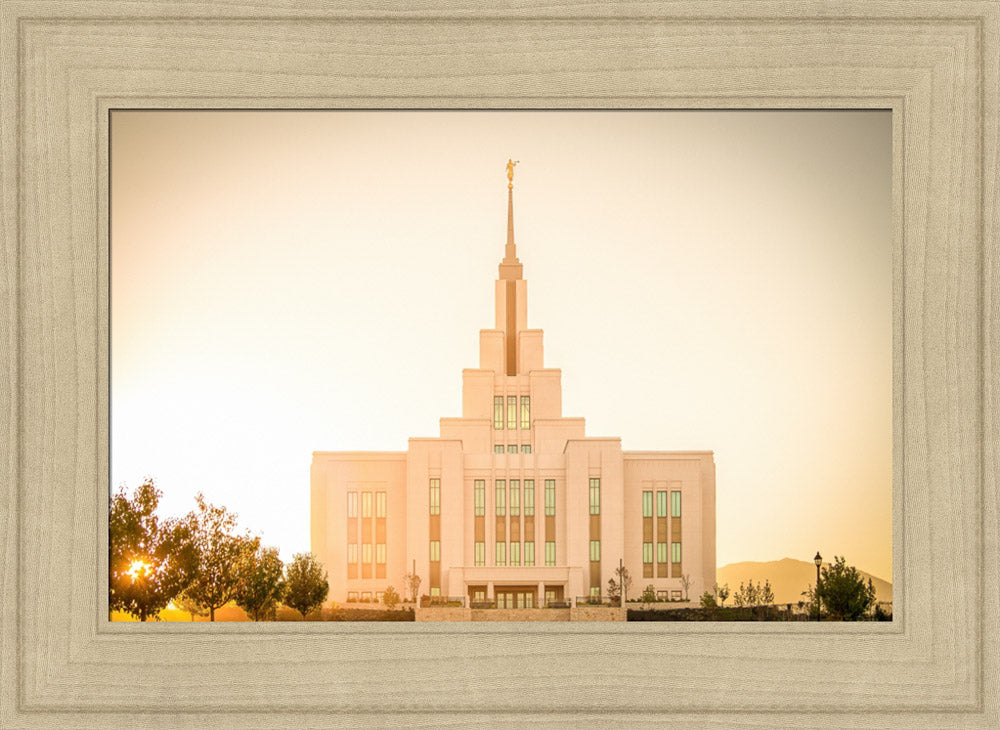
788	579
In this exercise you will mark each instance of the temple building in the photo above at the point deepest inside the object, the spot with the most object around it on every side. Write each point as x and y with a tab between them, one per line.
513	502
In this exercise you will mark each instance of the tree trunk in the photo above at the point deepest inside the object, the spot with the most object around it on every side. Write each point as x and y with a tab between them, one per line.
211	613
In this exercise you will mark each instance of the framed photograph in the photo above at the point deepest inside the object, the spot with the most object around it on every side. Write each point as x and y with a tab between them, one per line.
931	68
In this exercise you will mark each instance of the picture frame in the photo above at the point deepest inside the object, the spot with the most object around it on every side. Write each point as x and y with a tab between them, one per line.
934	64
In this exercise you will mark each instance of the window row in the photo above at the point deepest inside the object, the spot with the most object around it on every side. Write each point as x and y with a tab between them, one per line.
661	503
511	421
366	596
511	448
512	552
500	498
366	552
661	552
366	504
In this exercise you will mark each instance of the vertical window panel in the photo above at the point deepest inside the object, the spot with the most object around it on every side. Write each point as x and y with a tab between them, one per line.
675	552
525	412
595	496
380	504
647	504
550	497
550	553
515	553
661	504
498	412
515	498
380	552
529	497
435	552
501	553
512	412
675	504
480	491
366	504
647	552
595	551
501	497
366	552
529	553
435	497
480	554
661	552
352	504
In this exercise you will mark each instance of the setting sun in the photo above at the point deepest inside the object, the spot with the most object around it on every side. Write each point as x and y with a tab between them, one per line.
139	569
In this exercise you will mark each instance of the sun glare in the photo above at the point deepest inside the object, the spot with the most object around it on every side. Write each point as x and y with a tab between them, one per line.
139	569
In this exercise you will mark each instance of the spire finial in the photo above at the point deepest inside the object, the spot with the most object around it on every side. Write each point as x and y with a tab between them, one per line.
510	173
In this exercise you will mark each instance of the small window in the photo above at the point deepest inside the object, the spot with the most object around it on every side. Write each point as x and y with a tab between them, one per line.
529	497
512	412
550	497
352	596
647	552
661	504
435	591
550	597
675	552
435	551
480	554
352	552
501	553
497	448
550	552
497	412
595	496
435	505
352	504
380	504
479	596
480	491
647	504
366	504
501	497
676	595
366	596
525	448
379	595
675	504
661	552
515	497
529	554
525	412
595	591
515	553
511	448
661	595
380	553
595	551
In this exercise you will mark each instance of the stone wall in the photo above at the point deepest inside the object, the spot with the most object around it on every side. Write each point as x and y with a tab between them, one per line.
443	613
521	614
597	613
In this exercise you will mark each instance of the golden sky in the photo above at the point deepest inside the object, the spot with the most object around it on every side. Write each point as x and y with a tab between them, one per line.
290	282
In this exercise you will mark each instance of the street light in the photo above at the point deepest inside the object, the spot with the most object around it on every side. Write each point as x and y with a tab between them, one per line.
819	561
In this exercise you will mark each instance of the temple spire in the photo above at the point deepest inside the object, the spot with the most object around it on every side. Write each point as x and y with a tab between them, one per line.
510	267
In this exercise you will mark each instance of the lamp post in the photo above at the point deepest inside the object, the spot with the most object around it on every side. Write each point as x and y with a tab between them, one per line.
819	561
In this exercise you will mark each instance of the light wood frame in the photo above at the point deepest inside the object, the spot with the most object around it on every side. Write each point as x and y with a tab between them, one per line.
64	64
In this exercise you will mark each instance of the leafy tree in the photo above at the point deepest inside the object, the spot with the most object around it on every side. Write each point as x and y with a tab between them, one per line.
191	606
708	600
151	560
723	593
686	585
844	592
412	583
260	584
620	583
649	594
766	593
220	555
306	585
390	598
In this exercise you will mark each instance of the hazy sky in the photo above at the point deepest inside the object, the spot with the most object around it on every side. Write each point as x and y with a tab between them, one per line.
290	282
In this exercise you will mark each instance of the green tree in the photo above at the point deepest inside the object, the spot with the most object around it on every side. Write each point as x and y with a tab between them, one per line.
220	551
390	598
150	560
648	595
843	591
306	585
260	584
191	606
723	593
708	600
619	584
